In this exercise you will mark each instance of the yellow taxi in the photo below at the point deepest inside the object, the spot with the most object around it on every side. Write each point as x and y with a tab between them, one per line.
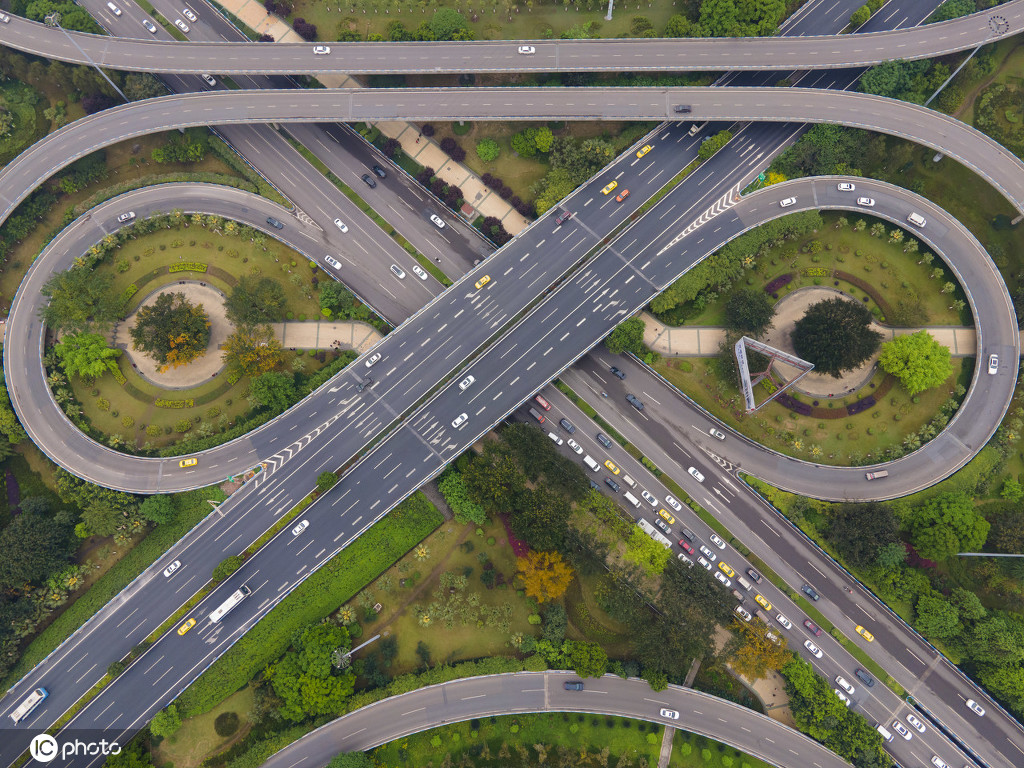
483	281
644	150
864	633
611	467
186	626
666	516
609	188
724	568
188	462
762	602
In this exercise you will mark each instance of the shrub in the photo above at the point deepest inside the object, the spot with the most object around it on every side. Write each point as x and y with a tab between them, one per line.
488	150
187	266
161	403
226	724
182	426
226	567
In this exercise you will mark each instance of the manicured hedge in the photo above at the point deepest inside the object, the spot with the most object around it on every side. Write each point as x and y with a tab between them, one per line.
187	266
161	403
115	371
191	506
316	597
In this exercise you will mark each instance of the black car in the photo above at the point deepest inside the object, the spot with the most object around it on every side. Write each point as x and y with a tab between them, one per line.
682	109
864	677
603	440
595	486
687	534
634	401
616	372
380	171
369	181
566	425
611	484
573	685
808	590
274	223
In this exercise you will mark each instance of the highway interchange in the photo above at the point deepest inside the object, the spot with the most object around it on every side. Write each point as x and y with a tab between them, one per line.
430	423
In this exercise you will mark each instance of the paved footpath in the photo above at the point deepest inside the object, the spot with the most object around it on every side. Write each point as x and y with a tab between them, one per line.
423	150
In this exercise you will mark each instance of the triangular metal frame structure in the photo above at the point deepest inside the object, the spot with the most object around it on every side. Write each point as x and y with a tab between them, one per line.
774	355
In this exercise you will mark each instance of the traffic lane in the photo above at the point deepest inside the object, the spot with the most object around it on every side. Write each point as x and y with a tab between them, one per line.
785	551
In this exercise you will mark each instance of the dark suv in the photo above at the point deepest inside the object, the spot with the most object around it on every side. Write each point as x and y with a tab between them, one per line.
808	590
573	685
634	401
380	171
864	677
682	109
369	181
616	372
611	484
566	425
604	440
274	223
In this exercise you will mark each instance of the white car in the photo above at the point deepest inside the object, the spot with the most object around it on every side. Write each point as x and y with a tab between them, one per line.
704	563
717	541
993	364
938	762
210	80
321	50
341	225
460	420
743	613
696	475
784	621
842	683
300	527
867	202
673	503
975	707
576	447
374	359
716	434
842	696
181	25
671	714
150	26
787	202
916	723
172	567
398	272
333	262
126	216
682	556
708	553
188	14
438	222
723	578
815	650
113	9
649	498
845	186
419	272
529	50
901	729
466	383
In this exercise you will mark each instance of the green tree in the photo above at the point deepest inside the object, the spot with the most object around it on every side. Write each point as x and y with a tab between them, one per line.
35	547
256	300
226	567
142	85
305	679
740	18
846	526
9	425
544	139
449	24
860	16
588	659
953	9
968	604
71	16
337	298
488	150
165	722
132	756
325	481
646	552
173	331
351	760
628	336
947	524
524	143
750	312
540	518
158	509
274	391
252	350
712	144
453	488
917	360
937	617
79	299
1007	683
494	480
85	355
835	335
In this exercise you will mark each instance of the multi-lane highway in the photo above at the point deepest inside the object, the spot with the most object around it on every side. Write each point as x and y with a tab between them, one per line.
510	694
708	54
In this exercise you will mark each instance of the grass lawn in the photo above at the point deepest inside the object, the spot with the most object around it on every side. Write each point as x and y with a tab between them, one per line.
509	741
197	739
894	275
489	20
455	548
688	748
774	426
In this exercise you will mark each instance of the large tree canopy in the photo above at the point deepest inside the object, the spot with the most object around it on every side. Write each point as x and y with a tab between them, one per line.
78	299
836	336
256	300
172	330
34	547
948	524
85	355
750	312
917	360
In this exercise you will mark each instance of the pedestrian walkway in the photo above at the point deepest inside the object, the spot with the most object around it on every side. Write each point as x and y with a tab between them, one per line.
425	151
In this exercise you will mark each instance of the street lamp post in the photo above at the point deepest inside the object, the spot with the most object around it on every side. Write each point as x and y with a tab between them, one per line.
53	20
608	16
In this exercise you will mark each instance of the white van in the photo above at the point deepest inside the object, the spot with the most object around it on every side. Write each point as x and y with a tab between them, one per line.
695	127
744	583
629	481
555	438
884	733
591	463
114	9
632	499
916	219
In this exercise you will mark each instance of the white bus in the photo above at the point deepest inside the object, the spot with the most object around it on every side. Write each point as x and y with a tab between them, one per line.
651	531
34	700
236	597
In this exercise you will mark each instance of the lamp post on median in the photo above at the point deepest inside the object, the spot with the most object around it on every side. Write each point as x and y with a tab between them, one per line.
608	16
53	20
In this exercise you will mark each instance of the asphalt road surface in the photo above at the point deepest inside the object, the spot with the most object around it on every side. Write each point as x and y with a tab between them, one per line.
148	54
510	694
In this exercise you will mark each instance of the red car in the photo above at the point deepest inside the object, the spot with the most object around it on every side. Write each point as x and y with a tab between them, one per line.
812	627
687	547
543	403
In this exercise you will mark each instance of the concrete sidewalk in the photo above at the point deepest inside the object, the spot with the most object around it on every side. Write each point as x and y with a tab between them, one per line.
703	341
423	150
